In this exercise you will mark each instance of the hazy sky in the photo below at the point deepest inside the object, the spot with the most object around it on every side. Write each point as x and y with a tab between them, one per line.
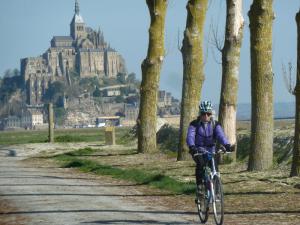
28	26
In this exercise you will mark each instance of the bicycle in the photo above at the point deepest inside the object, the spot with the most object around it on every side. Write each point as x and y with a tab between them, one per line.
210	191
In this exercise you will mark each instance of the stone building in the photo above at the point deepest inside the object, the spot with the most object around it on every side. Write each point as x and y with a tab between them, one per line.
32	118
84	52
11	122
164	99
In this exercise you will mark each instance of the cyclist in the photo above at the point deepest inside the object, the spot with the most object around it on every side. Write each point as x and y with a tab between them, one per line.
202	135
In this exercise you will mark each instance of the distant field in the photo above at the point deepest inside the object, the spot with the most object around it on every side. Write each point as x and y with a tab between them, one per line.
61	135
97	134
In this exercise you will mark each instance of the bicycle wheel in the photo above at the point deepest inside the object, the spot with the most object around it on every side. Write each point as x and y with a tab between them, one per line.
218	200
202	202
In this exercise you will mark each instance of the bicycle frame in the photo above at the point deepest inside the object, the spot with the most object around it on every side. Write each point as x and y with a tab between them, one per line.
212	176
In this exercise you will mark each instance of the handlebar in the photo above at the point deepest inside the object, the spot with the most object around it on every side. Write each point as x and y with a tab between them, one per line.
203	151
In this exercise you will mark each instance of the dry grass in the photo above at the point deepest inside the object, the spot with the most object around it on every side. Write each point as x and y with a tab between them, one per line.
271	191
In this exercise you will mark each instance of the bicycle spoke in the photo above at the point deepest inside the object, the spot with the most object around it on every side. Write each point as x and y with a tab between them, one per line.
218	204
201	202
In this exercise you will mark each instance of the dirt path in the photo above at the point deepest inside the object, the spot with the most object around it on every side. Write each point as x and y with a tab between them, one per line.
37	192
49	195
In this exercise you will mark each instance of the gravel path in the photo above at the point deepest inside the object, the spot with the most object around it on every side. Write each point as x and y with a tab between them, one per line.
48	195
38	192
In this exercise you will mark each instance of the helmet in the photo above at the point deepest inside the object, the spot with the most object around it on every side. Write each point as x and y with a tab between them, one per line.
205	106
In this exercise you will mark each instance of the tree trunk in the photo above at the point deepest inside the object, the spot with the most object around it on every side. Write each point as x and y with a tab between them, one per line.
193	75
296	151
151	67
261	18
230	69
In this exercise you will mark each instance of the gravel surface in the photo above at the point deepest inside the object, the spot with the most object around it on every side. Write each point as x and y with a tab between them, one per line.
45	194
36	191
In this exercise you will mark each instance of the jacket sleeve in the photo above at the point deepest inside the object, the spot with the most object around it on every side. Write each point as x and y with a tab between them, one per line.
220	136
190	138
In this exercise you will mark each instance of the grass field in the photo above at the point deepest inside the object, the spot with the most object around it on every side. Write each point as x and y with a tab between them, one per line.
61	135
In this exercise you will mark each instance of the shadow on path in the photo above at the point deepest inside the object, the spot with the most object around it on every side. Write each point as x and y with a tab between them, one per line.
150	212
85	195
133	222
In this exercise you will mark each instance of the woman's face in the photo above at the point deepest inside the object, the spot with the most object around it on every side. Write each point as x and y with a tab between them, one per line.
205	117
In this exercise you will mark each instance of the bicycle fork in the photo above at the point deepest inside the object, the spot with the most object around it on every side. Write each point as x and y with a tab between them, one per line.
212	197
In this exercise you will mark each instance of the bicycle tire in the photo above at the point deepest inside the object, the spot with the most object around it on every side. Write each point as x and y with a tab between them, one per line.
218	200
202	203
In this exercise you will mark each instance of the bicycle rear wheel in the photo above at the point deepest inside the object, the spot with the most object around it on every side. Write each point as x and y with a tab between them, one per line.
218	200
202	202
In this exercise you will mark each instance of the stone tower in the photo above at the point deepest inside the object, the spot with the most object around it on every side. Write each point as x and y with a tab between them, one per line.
77	26
83	52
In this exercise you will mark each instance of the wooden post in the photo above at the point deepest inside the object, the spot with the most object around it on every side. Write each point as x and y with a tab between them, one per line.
51	123
110	137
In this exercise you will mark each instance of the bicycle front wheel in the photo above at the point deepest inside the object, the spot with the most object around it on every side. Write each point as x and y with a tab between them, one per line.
202	202
218	200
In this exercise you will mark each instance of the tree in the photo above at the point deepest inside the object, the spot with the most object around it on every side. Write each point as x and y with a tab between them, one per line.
151	67
119	99
230	68
54	92
97	93
193	75
9	85
295	171
121	78
261	18
131	78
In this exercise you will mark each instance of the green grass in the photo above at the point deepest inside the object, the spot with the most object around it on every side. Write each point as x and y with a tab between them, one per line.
22	137
61	135
71	160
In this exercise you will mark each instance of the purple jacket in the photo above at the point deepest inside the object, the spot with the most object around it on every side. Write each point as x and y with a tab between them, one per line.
205	136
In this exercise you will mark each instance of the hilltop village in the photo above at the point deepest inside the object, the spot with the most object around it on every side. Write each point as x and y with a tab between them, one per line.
84	77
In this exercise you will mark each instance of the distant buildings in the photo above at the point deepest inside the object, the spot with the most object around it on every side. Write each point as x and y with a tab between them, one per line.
30	119
164	99
84	53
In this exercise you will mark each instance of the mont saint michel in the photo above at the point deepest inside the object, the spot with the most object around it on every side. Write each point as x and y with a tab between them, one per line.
84	52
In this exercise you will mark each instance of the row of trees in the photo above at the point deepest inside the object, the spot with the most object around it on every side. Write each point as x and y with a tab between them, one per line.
261	18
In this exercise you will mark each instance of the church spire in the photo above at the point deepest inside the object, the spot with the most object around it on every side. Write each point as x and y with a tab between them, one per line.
76	7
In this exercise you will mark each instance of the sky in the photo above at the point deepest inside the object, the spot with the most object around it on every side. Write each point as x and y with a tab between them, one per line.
28	26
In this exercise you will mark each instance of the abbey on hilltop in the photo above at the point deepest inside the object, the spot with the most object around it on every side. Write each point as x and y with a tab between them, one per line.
84	52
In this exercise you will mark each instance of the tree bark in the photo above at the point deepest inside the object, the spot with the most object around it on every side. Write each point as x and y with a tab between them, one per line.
230	69
151	67
261	18
193	75
295	171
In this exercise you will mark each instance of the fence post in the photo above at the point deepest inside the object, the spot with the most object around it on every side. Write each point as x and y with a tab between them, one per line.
51	123
110	137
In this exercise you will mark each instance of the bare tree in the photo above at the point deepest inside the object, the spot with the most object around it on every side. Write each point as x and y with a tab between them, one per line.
230	68
261	18
288	80
151	67
295	171
193	75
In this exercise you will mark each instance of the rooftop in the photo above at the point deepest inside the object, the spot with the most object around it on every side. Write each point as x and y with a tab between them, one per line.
62	38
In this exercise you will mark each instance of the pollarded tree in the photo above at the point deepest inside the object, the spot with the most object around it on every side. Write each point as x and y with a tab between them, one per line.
296	151
193	75
261	18
151	67
230	68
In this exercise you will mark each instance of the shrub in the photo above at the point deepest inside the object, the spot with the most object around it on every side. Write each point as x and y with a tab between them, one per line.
167	138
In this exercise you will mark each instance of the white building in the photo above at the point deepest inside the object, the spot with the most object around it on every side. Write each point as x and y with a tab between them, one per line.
30	119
